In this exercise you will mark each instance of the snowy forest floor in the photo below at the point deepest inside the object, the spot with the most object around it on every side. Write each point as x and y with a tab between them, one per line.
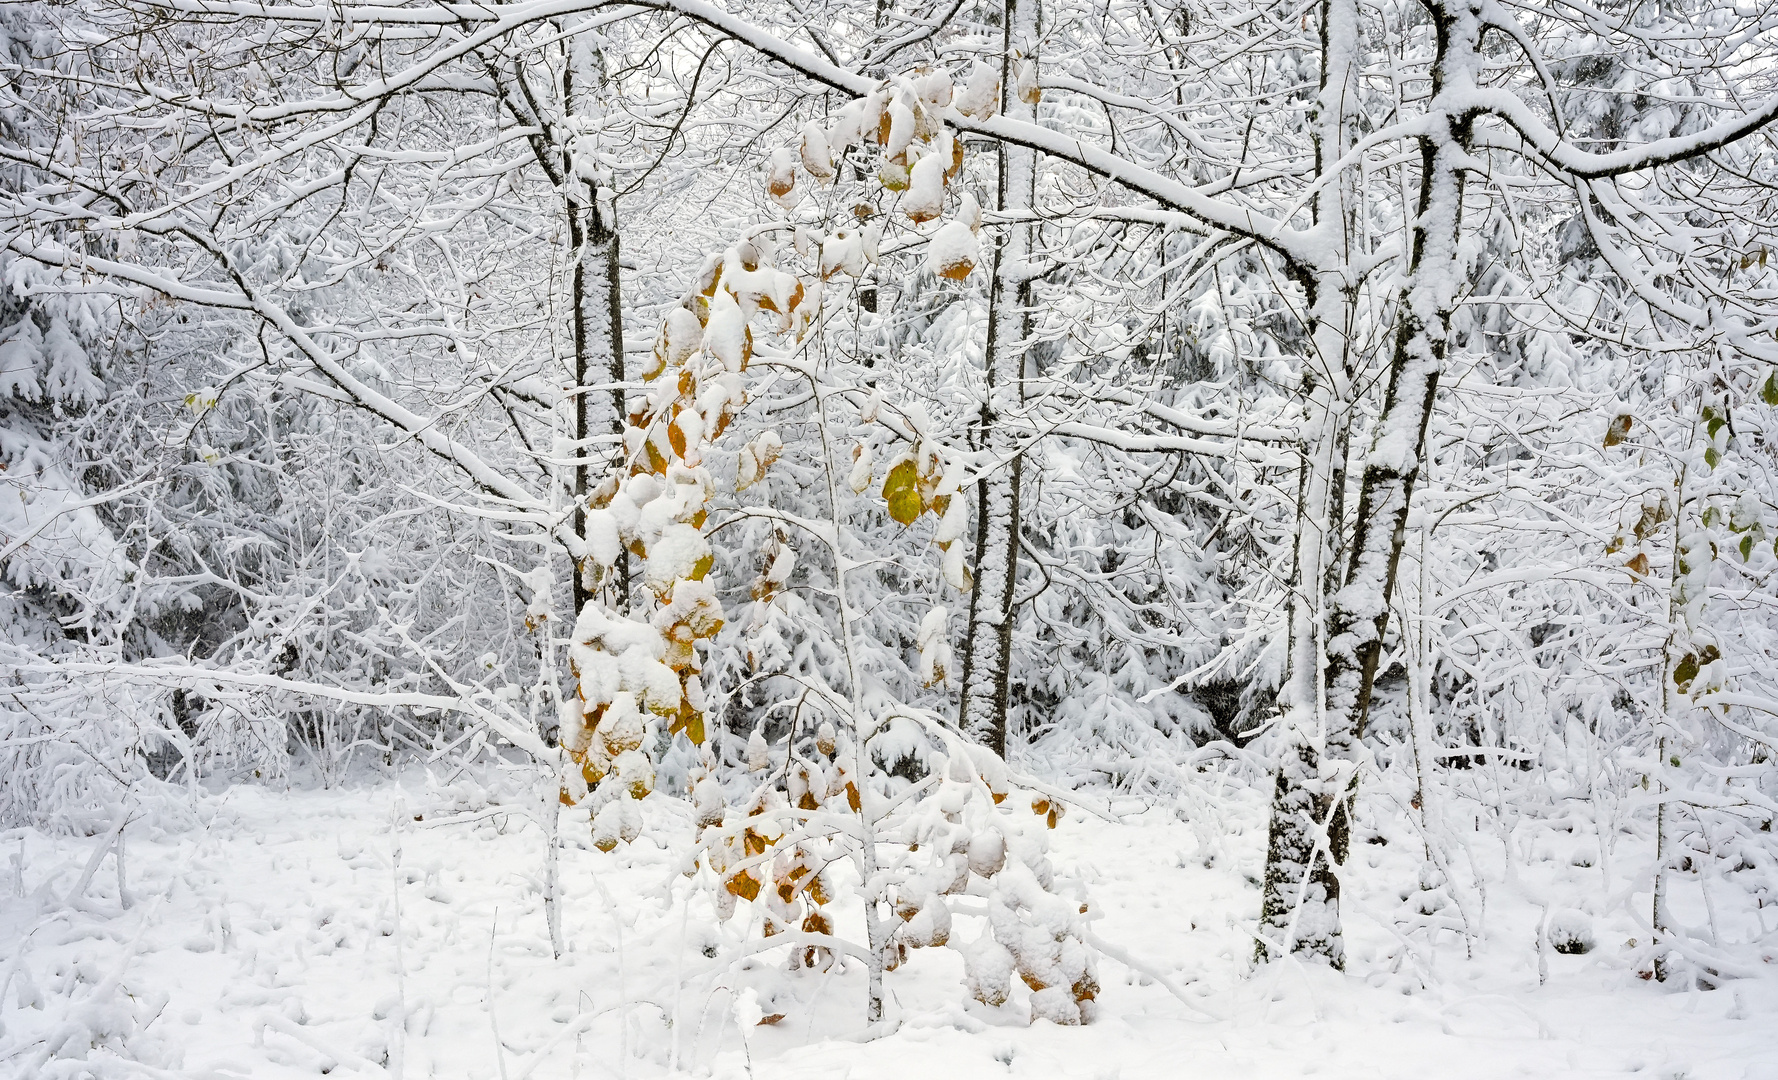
271	935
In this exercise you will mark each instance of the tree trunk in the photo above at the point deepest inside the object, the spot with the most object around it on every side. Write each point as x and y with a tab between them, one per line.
1300	904
597	298
1358	609
1300	901
987	646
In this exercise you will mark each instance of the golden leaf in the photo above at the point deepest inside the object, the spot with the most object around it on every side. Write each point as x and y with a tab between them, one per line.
743	885
901	492
689	721
894	174
957	271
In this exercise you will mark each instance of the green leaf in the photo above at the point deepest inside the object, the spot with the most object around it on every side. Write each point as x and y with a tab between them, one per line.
1685	671
1768	392
901	490
1746	547
1712	458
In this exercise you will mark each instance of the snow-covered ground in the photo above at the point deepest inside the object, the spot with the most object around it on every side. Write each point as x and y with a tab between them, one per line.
273	934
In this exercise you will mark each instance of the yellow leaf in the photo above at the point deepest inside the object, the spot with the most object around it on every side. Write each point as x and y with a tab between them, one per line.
657	363
900	491
743	885
893	174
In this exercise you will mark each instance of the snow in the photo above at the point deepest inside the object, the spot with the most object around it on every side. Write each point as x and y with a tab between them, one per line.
304	561
901	130
980	97
284	934
953	251
842	252
725	333
602	537
682	335
925	196
817	159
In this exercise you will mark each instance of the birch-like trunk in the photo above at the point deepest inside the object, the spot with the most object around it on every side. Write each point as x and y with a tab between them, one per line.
1300	901
878	926
597	297
1677	644
1357	611
987	645
1299	909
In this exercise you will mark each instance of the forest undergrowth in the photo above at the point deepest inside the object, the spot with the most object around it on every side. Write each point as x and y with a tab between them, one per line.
867	537
394	926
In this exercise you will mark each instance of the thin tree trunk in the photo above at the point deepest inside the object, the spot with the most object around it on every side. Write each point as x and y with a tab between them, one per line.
597	294
1300	892
1359	613
1299	907
1660	917
1358	609
987	646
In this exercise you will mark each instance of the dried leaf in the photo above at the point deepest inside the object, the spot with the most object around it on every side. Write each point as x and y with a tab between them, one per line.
743	885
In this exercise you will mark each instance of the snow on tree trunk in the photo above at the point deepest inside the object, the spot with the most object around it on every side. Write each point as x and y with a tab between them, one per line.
598	300
1300	902
1357	611
1301	895
987	647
